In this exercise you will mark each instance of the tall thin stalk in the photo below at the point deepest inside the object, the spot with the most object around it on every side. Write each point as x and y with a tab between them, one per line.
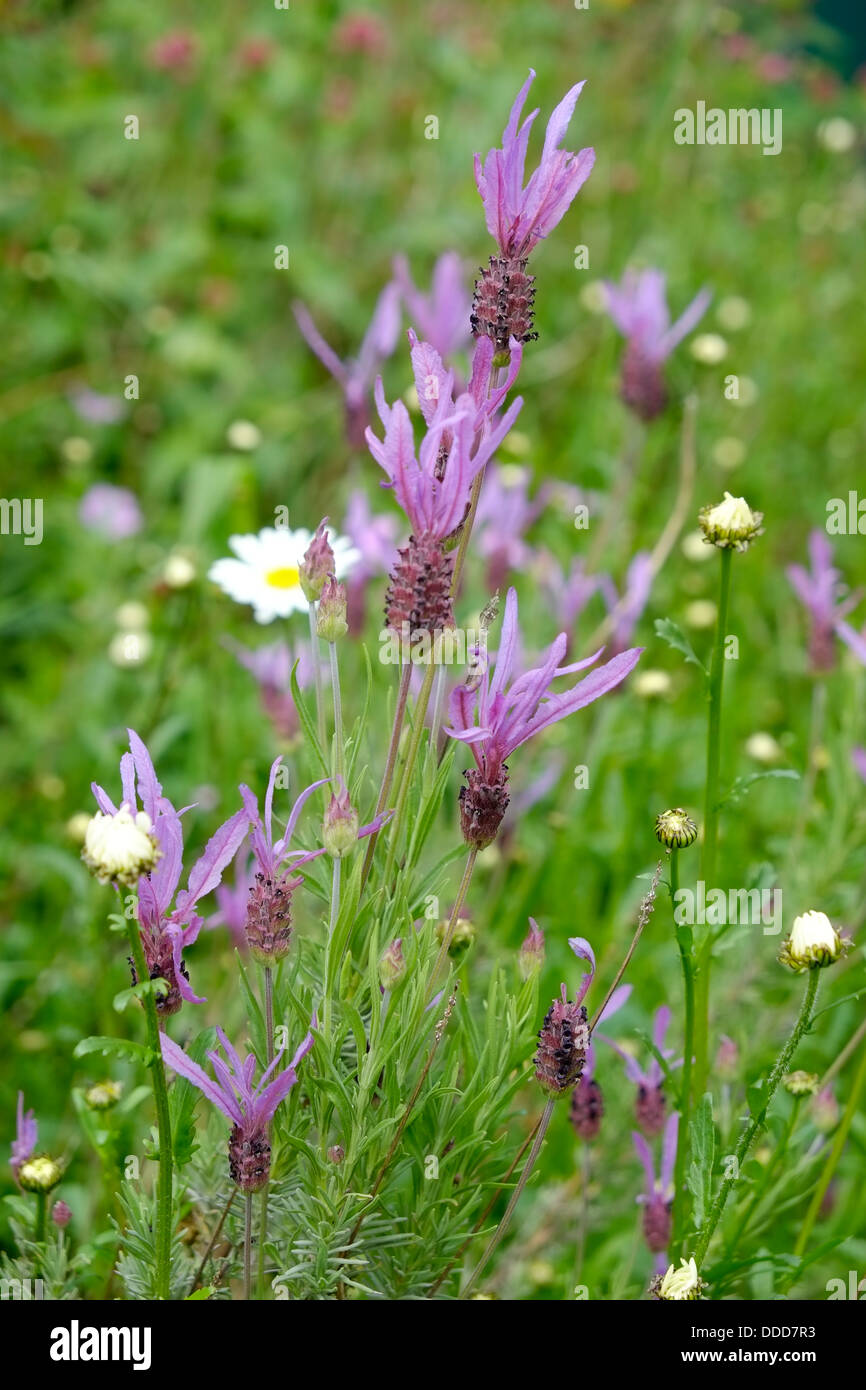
163	1118
834	1155
779	1070
396	828
317	677
515	1197
711	820
455	911
248	1245
269	1044
339	751
390	764
685	941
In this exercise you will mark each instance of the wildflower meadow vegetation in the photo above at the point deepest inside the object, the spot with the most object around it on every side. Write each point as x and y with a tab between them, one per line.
435	738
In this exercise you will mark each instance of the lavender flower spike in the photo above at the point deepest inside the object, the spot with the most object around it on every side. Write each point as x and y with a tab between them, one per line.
165	933
269	907
442	317
650	1103
658	1197
356	375
563	1039
638	307
517	217
822	594
25	1137
497	714
433	488
250	1108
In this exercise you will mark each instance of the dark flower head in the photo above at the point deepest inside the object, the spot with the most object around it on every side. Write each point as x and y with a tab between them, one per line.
249	1107
563	1039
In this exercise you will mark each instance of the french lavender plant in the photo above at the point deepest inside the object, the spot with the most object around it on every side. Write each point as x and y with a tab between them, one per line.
389	1155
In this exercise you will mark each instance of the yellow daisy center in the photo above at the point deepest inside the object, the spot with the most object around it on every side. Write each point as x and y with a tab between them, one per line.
284	578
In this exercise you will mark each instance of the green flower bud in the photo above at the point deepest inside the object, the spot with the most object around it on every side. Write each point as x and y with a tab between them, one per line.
675	829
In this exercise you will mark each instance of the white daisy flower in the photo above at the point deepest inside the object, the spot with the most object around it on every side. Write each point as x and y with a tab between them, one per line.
266	572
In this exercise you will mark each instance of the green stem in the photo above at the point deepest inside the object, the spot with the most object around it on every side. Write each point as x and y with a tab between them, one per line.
455	911
396	827
779	1070
711	820
336	869
248	1245
685	941
317	679
41	1217
515	1197
269	1043
767	1176
833	1157
163	1118
390	764
339	752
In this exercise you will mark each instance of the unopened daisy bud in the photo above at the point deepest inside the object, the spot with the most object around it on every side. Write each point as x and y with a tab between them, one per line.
103	1096
531	957
461	938
61	1215
678	1285
317	564
336	1153
676	829
731	523
39	1174
814	941
340	828
331	622
119	848
392	966
824	1110
801	1083
562	1043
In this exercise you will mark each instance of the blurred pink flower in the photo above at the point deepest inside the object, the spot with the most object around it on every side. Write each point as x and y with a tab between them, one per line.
112	511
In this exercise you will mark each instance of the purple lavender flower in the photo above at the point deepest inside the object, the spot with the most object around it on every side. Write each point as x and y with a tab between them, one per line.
517	217
569	592
26	1132
433	488
271	668
356	375
96	408
858	757
638	307
587	1101
232	900
650	1102
505	513
495	715
563	1038
165	934
823	595
250	1108
112	511
442	317
658	1197
268	926
375	538
626	611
